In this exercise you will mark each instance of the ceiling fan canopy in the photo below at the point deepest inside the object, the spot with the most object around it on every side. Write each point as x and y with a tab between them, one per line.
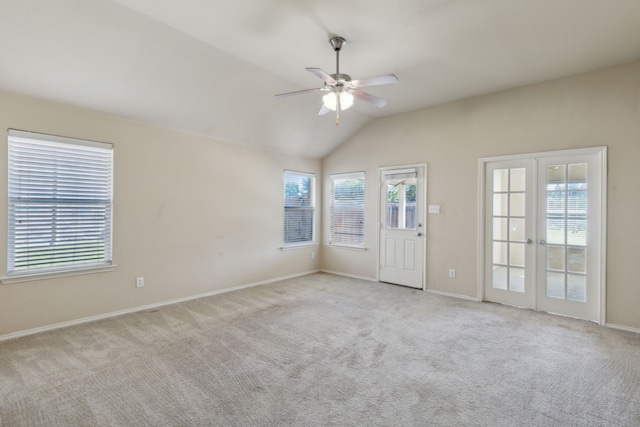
341	89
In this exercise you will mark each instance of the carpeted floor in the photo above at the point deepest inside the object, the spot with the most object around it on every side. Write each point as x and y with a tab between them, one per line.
324	350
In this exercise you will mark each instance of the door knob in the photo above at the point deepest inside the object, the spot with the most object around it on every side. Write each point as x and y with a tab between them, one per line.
541	242
529	241
419	234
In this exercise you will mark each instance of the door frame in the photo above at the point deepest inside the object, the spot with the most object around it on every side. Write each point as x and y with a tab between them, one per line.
422	204
601	151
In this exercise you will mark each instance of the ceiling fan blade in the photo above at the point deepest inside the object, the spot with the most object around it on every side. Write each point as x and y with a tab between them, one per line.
375	81
367	97
298	92
321	74
323	110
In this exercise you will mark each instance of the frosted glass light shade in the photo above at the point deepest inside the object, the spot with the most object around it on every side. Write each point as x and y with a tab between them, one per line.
330	100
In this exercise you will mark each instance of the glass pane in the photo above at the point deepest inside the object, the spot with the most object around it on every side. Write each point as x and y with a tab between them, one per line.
555	285
518	179
555	231
500	204
578	176
516	231
555	203
500	180
500	229
517	204
556	177
576	288
516	279
499	253
516	254
577	204
500	277
410	207
555	258
577	232
577	260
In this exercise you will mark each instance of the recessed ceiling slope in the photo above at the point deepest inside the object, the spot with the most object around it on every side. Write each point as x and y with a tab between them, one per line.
213	67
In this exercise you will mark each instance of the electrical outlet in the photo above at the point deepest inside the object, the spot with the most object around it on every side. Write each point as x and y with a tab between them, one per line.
452	273
139	282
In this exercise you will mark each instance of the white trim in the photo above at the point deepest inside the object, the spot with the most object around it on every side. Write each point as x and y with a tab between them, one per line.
526	156
348	247
21	134
449	294
482	168
353	276
622	328
298	246
147	307
603	237
30	277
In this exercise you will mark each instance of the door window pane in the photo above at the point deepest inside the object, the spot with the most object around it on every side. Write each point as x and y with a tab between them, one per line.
577	260
401	200
500	204
516	279
516	254
517	204
576	288
516	230
555	231
517	182
500	229
555	285
500	253
555	258
500	180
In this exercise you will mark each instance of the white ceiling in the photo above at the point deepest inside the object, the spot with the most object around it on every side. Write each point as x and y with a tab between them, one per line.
211	67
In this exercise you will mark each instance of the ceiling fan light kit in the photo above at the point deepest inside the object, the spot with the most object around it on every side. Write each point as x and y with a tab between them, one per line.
341	88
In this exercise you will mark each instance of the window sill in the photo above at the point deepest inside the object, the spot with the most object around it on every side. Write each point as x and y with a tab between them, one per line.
349	247
298	246
30	277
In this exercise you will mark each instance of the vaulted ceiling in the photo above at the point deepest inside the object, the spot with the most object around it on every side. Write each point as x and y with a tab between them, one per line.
212	67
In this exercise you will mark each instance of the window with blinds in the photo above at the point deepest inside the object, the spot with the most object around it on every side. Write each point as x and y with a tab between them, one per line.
60	196
299	207
347	209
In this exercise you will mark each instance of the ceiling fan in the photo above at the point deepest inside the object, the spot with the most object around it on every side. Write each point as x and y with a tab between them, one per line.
341	90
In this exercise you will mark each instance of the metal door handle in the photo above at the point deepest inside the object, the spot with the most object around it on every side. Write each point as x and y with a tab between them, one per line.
529	241
419	234
541	242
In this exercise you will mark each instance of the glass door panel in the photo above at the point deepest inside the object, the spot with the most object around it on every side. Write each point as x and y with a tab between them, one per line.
509	211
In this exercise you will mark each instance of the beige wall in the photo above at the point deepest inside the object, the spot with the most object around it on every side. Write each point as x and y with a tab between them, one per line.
593	109
191	215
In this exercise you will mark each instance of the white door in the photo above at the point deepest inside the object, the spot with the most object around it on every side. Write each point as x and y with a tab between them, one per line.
543	229
402	228
569	236
510	227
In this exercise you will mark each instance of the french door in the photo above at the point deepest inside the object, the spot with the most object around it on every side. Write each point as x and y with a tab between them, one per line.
543	223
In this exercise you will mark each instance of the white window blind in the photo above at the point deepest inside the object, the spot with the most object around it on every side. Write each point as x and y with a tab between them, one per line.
347	209
60	195
299	206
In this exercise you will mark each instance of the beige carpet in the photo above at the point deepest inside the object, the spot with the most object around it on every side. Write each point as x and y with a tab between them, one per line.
324	350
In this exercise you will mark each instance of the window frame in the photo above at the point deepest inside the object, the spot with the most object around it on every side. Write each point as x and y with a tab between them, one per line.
334	240
24	147
310	208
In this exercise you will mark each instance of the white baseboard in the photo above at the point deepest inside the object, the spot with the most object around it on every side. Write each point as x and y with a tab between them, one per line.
353	276
622	328
449	294
146	307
